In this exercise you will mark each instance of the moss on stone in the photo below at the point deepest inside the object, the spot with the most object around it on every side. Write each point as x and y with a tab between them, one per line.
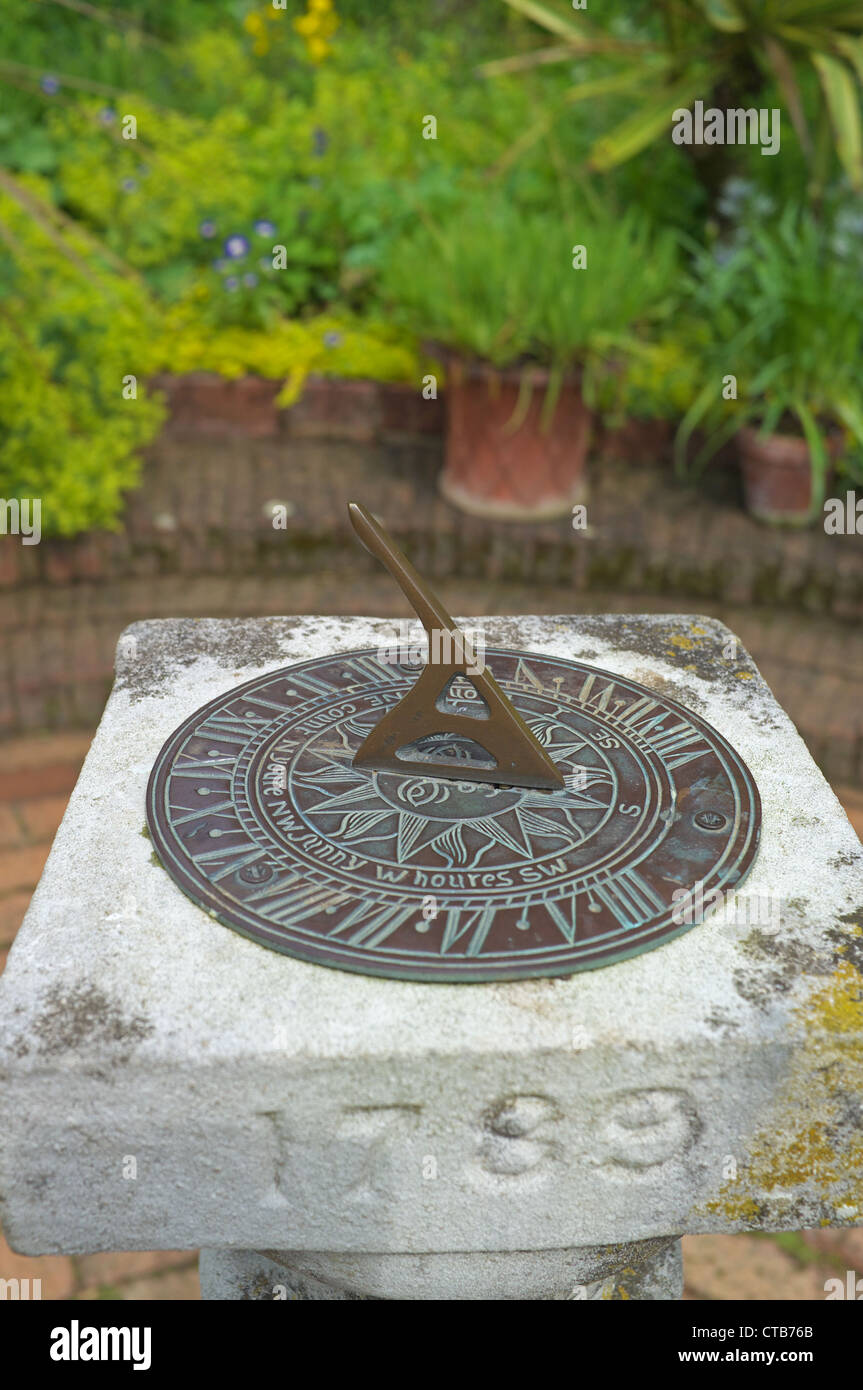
813	1147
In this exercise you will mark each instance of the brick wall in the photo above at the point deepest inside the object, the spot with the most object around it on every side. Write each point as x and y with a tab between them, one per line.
198	537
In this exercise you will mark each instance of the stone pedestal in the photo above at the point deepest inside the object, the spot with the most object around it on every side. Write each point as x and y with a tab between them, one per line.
646	1269
168	1084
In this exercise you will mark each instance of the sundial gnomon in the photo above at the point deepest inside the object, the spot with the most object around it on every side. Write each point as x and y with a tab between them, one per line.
260	813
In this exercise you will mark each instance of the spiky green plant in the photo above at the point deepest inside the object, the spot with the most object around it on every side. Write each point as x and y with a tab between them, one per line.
692	48
504	284
784	316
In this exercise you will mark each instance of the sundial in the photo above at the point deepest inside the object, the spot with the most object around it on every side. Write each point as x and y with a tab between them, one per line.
456	820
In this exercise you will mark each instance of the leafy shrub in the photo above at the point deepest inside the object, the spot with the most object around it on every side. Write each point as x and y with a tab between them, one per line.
783	313
327	345
497	281
67	435
260	129
338	167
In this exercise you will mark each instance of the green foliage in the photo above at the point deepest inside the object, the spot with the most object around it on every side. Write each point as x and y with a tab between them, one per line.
237	125
169	202
328	345
693	48
260	129
130	234
498	281
335	161
851	467
783	313
67	435
660	379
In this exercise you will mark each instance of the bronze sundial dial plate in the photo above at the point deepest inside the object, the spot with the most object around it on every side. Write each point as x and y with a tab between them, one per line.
258	813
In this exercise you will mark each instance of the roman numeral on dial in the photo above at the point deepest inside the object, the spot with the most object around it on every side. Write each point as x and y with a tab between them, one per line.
630	898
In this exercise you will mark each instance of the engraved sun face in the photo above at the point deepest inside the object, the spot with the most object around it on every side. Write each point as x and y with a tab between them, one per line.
444	800
449	823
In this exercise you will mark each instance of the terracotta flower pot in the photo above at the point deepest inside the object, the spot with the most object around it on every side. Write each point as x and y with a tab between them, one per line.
497	466
777	476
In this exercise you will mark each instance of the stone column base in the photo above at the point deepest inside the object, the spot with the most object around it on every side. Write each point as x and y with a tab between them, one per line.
647	1270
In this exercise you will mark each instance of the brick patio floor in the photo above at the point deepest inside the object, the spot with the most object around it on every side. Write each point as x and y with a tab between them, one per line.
36	776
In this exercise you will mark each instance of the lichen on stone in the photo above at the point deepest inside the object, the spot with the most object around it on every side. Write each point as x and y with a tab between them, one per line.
812	1153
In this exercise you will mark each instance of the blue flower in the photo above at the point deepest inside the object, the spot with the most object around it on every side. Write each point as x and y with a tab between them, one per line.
264	228
850	221
232	283
107	116
207	228
762	205
250	279
737	189
50	85
320	141
128	185
236	247
332	339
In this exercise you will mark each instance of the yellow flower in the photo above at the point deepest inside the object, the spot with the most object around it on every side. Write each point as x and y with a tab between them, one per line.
253	23
318	49
317	25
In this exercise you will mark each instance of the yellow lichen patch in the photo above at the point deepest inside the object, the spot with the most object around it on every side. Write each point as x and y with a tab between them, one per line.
798	1154
699	631
838	1007
743	675
801	1157
735	1208
685	642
